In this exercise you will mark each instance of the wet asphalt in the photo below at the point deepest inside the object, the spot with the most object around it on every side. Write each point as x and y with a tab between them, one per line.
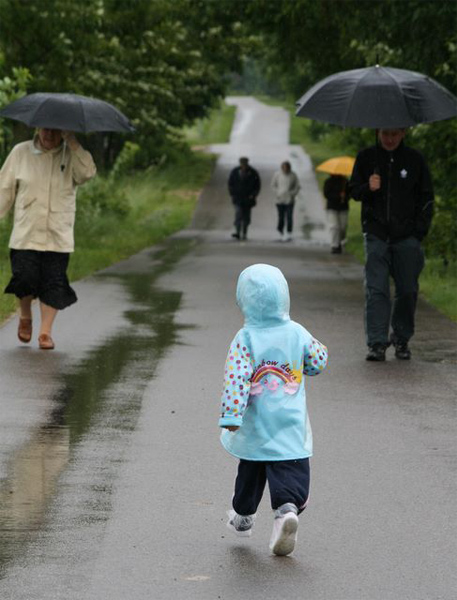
113	484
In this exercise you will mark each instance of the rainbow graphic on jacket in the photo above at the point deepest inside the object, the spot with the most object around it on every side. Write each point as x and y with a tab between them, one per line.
261	380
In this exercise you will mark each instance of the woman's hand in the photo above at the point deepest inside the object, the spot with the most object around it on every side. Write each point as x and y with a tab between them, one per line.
70	139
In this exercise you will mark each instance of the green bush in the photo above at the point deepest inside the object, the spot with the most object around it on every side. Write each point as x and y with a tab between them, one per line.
126	160
441	241
99	197
11	88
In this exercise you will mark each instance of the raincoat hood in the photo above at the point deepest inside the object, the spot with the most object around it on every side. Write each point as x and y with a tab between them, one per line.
263	296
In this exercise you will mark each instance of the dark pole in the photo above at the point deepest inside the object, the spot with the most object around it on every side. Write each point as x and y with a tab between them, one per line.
376	169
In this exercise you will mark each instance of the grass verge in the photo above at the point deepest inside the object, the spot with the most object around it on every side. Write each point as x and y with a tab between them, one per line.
215	129
438	282
161	203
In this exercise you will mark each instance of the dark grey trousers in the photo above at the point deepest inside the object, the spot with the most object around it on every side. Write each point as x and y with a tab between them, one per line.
403	261
242	218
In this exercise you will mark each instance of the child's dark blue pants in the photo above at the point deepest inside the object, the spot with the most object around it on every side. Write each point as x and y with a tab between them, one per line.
288	481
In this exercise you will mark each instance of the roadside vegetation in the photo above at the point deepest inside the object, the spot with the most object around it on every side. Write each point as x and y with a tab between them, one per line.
214	129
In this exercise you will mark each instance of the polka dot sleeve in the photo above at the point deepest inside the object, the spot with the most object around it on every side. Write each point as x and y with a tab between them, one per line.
316	358
238	372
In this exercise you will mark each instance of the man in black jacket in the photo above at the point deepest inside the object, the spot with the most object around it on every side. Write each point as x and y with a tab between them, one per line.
393	183
244	187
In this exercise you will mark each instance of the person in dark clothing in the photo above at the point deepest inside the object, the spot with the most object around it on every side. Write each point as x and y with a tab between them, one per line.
244	187
394	185
336	192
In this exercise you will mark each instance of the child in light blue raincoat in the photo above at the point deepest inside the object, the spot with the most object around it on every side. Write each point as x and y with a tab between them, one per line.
263	408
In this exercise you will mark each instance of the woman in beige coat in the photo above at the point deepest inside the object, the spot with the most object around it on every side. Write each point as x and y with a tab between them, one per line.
40	178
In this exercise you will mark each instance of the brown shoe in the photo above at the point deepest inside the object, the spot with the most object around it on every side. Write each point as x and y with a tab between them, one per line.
45	342
24	331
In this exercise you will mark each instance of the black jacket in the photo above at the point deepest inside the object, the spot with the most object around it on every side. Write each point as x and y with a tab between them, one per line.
334	186
403	207
244	189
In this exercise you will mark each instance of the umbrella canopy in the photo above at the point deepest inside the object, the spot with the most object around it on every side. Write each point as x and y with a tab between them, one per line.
377	97
339	165
68	112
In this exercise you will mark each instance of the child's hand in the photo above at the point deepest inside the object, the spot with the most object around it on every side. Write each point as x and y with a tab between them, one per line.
232	427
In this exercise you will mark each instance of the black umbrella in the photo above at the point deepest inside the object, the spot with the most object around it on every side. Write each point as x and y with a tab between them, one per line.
68	112
377	97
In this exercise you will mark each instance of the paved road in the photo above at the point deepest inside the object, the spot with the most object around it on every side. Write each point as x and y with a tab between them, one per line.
114	485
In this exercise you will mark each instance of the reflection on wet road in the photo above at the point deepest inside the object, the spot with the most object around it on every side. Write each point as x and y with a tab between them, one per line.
309	227
103	392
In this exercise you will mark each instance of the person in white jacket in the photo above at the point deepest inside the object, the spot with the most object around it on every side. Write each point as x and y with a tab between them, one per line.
40	179
286	186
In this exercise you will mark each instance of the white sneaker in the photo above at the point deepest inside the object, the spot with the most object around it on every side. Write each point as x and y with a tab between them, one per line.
289	238
284	534
240	525
281	238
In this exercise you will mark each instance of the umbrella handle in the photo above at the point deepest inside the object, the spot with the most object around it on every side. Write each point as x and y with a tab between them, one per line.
376	170
62	164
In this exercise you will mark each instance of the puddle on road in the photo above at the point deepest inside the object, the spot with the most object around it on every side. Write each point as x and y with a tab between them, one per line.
99	402
309	228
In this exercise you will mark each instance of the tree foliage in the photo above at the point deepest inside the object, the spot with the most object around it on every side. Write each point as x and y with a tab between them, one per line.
11	88
162	63
306	40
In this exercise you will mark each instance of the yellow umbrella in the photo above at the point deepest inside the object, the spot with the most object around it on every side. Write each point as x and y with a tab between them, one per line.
339	165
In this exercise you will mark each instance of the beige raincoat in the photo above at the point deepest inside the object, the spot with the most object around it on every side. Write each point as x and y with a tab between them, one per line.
44	195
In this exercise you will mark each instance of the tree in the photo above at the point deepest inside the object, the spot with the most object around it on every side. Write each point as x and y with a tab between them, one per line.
162	63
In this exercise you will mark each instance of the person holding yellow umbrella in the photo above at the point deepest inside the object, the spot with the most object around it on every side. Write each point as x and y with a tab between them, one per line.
336	192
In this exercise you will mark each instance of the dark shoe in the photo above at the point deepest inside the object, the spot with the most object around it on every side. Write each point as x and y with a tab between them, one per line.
236	236
377	352
24	331
336	250
402	351
45	342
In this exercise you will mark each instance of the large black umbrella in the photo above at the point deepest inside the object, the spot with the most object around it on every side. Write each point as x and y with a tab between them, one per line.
68	112
377	97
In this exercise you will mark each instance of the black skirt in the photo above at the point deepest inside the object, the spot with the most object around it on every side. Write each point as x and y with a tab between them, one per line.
42	275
